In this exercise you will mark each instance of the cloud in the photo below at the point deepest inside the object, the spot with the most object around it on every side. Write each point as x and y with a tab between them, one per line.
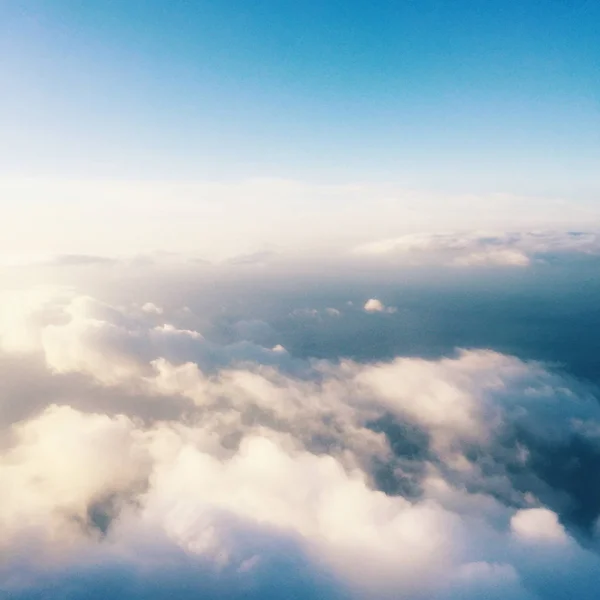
80	334
342	260
538	524
373	305
517	249
220	220
317	314
151	308
259	474
505	257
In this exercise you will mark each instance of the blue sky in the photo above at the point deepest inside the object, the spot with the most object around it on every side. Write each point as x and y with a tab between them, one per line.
457	97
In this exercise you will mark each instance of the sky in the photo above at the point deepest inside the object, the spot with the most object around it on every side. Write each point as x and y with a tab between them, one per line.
299	300
435	100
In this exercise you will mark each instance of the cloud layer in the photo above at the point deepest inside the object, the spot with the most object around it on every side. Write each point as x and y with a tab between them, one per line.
248	218
517	249
142	459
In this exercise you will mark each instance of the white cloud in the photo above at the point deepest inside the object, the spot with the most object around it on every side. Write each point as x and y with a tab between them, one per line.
374	305
475	248
151	308
24	314
538	524
62	462
221	220
79	333
265	461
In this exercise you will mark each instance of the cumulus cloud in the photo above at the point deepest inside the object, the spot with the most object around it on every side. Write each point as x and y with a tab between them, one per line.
373	305
81	334
538	524
267	476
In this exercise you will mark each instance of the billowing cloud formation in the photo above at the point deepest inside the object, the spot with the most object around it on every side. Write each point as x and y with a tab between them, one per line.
483	249
152	462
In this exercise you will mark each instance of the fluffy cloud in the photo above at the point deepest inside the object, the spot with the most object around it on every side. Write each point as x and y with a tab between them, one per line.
538	524
80	334
374	305
265	475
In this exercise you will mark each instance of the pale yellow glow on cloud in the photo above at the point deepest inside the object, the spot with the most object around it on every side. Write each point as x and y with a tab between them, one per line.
220	220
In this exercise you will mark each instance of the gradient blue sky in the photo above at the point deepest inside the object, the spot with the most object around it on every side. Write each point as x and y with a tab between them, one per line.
462	96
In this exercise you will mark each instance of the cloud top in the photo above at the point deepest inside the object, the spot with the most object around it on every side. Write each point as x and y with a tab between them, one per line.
159	461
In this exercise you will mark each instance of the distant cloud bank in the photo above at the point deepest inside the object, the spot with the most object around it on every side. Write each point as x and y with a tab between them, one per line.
517	249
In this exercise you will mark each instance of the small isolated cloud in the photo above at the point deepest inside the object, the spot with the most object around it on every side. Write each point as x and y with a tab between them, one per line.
376	306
